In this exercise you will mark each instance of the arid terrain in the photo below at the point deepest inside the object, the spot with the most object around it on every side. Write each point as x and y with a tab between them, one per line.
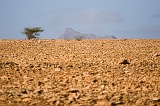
119	72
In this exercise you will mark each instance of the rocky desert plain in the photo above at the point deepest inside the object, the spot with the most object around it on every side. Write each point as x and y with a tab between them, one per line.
108	72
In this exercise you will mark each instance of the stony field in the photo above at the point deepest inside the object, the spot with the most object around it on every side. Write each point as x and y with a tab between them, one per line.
121	72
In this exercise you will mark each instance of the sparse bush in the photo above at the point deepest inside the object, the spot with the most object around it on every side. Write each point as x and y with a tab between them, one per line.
32	33
79	38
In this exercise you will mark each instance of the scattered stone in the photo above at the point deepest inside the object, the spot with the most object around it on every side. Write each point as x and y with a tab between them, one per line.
4	78
126	71
102	87
121	78
116	103
156	55
27	79
70	66
57	69
31	59
18	100
73	90
39	41
119	102
45	79
24	91
34	103
101	97
26	100
38	91
95	80
100	80
103	103
125	62
53	99
40	83
156	99
24	96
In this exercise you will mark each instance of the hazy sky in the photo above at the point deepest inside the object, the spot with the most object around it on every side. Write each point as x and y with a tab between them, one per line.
121	18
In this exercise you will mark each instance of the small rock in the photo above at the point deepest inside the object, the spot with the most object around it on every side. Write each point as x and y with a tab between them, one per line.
26	100
59	103
103	103
70	66
105	92
73	90
121	78
18	100
156	99
95	80
116	103
24	96
34	103
74	96
52	100
126	71
24	91
57	69
156	55
4	77
65	94
40	83
101	97
119	102
48	86
27	78
39	41
31	59
39	91
125	62
45	79
102	87
70	99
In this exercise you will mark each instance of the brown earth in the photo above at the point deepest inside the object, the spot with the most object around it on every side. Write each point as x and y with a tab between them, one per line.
80	73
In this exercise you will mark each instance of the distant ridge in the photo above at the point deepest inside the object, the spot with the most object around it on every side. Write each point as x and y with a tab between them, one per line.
70	33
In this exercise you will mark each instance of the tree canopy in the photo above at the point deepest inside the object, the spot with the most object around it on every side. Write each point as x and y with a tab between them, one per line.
32	33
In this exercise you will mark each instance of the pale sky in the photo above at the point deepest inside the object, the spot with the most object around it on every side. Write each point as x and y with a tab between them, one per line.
121	18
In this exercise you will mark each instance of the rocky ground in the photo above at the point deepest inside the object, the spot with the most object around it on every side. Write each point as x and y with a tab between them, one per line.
80	73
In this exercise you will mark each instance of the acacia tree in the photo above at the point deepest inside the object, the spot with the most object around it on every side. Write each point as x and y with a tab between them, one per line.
32	33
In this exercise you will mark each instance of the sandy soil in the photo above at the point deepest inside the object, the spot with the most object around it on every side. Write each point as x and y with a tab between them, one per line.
80	73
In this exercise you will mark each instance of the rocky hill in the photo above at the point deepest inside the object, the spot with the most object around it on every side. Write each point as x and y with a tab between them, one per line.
70	33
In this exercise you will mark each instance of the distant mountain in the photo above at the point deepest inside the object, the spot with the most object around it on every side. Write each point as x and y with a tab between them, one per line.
70	33
89	36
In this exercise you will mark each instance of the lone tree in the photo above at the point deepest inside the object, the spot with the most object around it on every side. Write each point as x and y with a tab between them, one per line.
32	33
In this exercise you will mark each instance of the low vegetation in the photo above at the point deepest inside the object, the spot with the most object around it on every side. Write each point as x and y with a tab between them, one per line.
79	38
32	33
